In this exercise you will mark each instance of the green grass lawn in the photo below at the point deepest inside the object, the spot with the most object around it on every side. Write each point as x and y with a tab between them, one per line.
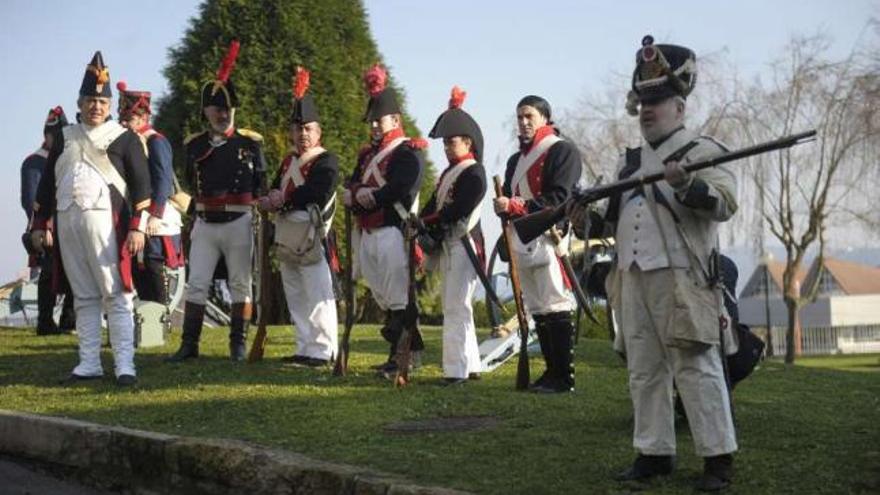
807	429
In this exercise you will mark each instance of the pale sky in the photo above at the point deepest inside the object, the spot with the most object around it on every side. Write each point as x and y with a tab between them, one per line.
498	51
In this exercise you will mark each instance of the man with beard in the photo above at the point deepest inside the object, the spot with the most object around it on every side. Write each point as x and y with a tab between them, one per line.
226	169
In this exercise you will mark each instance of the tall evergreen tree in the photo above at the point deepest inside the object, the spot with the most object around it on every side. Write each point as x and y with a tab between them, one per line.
331	38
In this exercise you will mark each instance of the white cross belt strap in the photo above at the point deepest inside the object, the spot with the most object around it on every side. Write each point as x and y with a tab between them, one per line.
372	170
95	154
444	193
525	164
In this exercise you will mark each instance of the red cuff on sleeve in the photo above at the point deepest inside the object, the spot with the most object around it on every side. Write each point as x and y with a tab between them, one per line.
40	223
516	207
156	209
135	221
432	218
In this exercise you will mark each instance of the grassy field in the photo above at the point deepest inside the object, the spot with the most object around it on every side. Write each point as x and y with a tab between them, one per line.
807	429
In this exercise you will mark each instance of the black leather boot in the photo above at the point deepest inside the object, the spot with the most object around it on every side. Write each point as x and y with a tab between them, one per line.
46	304
560	336
193	317
238	327
717	473
546	351
67	322
646	467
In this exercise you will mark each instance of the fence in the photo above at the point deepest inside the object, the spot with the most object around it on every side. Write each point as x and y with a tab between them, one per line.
832	340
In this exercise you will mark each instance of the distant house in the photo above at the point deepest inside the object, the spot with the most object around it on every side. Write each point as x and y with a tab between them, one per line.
845	318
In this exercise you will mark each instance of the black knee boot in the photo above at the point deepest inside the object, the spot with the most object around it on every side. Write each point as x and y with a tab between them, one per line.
560	334
67	322
193	317
46	304
546	351
238	327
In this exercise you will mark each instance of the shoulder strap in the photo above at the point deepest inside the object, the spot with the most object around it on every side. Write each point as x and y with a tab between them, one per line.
99	160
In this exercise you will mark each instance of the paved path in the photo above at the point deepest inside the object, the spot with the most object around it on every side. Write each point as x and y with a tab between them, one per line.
19	478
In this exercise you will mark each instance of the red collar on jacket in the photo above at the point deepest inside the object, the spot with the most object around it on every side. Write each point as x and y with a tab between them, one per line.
540	134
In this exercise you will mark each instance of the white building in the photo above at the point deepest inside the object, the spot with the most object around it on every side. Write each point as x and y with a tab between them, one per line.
845	318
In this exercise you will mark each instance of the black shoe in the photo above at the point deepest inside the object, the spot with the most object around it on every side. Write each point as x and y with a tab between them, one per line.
126	380
383	366
646	467
475	377
717	473
295	359
310	362
237	351
186	351
73	379
451	382
48	327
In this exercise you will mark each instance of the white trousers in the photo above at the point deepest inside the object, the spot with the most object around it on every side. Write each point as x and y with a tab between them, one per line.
91	261
645	320
461	352
209	241
543	289
383	263
312	306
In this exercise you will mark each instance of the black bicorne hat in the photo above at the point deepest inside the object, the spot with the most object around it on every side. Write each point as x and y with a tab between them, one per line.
457	122
96	80
383	100
220	92
55	121
132	101
662	71
305	109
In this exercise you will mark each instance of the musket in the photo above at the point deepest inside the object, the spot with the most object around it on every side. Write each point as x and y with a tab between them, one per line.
411	314
522	367
263	287
341	366
530	227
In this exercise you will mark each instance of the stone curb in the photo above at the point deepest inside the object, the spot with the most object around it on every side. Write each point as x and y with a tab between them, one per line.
143	462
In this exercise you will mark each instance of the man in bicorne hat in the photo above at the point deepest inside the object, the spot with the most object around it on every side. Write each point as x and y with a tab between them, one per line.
304	197
164	222
225	168
47	288
452	218
98	184
383	192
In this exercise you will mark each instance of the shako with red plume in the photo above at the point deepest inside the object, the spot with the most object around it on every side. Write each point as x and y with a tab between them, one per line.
56	120
383	100
132	101
220	91
456	122
304	108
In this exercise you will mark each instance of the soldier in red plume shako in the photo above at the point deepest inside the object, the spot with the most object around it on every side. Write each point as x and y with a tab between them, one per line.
453	239
31	171
97	185
303	196
543	173
164	221
225	169
381	192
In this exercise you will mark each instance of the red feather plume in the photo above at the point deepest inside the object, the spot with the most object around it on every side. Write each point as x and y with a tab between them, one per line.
456	99
228	62
300	83
375	79
58	110
121	86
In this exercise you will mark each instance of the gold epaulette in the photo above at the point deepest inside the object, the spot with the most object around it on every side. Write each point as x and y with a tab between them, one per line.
193	136
256	136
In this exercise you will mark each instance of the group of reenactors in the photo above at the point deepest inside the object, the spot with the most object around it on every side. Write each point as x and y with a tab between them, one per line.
106	209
